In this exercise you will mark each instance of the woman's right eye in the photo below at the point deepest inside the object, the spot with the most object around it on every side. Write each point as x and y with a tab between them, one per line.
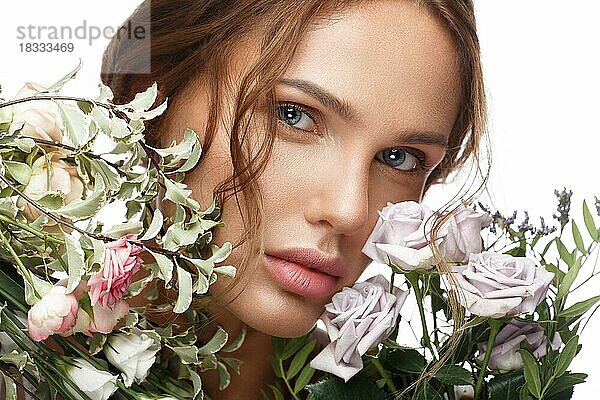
296	117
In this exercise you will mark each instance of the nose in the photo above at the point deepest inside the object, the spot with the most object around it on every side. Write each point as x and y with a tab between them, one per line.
340	197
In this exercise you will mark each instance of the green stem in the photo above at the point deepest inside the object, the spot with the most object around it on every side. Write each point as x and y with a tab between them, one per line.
287	383
413	278
494	328
24	271
12	299
383	373
42	235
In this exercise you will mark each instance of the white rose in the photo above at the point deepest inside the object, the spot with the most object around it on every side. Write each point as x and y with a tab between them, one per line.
402	236
98	385
497	285
464	234
132	354
357	319
50	175
41	119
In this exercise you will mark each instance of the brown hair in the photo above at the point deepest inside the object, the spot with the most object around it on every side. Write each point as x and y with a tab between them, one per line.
191	39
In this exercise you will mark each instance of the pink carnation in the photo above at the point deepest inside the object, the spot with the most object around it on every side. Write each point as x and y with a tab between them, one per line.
121	262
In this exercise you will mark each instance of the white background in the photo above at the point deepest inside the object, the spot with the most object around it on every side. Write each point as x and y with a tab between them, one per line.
541	67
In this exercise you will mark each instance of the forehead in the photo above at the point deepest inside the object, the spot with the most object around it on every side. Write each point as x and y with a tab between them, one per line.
390	56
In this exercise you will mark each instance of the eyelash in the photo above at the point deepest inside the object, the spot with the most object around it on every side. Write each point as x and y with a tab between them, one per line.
423	163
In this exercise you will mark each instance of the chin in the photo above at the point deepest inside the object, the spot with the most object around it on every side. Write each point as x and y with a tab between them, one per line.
280	314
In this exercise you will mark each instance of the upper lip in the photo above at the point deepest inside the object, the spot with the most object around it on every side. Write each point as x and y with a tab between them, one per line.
313	259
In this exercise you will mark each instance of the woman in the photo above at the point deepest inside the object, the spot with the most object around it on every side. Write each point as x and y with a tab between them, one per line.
313	115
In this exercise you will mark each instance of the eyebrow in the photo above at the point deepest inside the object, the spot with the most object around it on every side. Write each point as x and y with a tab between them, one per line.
337	105
343	109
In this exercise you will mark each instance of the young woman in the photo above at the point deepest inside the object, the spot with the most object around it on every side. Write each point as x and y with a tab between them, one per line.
313	115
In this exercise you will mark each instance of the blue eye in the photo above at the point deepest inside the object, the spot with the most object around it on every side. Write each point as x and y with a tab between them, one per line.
296	117
400	159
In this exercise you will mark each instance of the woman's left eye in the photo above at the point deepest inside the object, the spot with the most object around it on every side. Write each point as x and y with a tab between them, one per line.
296	117
401	159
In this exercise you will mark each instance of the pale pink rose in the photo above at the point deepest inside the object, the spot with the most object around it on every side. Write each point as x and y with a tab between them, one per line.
105	318
50	175
41	119
121	262
497	285
514	336
357	319
464	234
402	236
56	312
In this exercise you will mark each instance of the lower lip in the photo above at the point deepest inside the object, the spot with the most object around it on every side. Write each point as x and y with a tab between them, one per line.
300	279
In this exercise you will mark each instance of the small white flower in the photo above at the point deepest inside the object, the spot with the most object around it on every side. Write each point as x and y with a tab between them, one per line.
132	354
96	384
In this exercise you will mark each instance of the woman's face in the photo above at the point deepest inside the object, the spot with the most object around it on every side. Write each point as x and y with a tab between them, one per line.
365	110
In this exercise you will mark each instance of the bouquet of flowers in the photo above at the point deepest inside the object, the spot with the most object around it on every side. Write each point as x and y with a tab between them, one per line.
84	298
81	301
520	332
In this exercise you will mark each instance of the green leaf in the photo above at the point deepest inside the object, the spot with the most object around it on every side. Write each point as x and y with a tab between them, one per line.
454	375
179	194
76	127
300	359
577	238
277	344
111	178
237	343
277	393
428	392
75	261
589	222
215	344
87	208
10	388
226	270
165	266
565	382
41	287
568	280
354	389
304	378
565	255
293	346
105	95
532	373
18	170
155	225
506	386
56	87
184	286
566	356
580	308
120	230
405	360
224	376
144	100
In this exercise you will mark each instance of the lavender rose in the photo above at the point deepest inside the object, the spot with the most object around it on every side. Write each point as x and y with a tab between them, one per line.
356	320
464	234
497	285
401	236
513	336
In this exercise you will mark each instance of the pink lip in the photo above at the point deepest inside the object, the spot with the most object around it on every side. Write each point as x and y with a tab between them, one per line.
306	272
